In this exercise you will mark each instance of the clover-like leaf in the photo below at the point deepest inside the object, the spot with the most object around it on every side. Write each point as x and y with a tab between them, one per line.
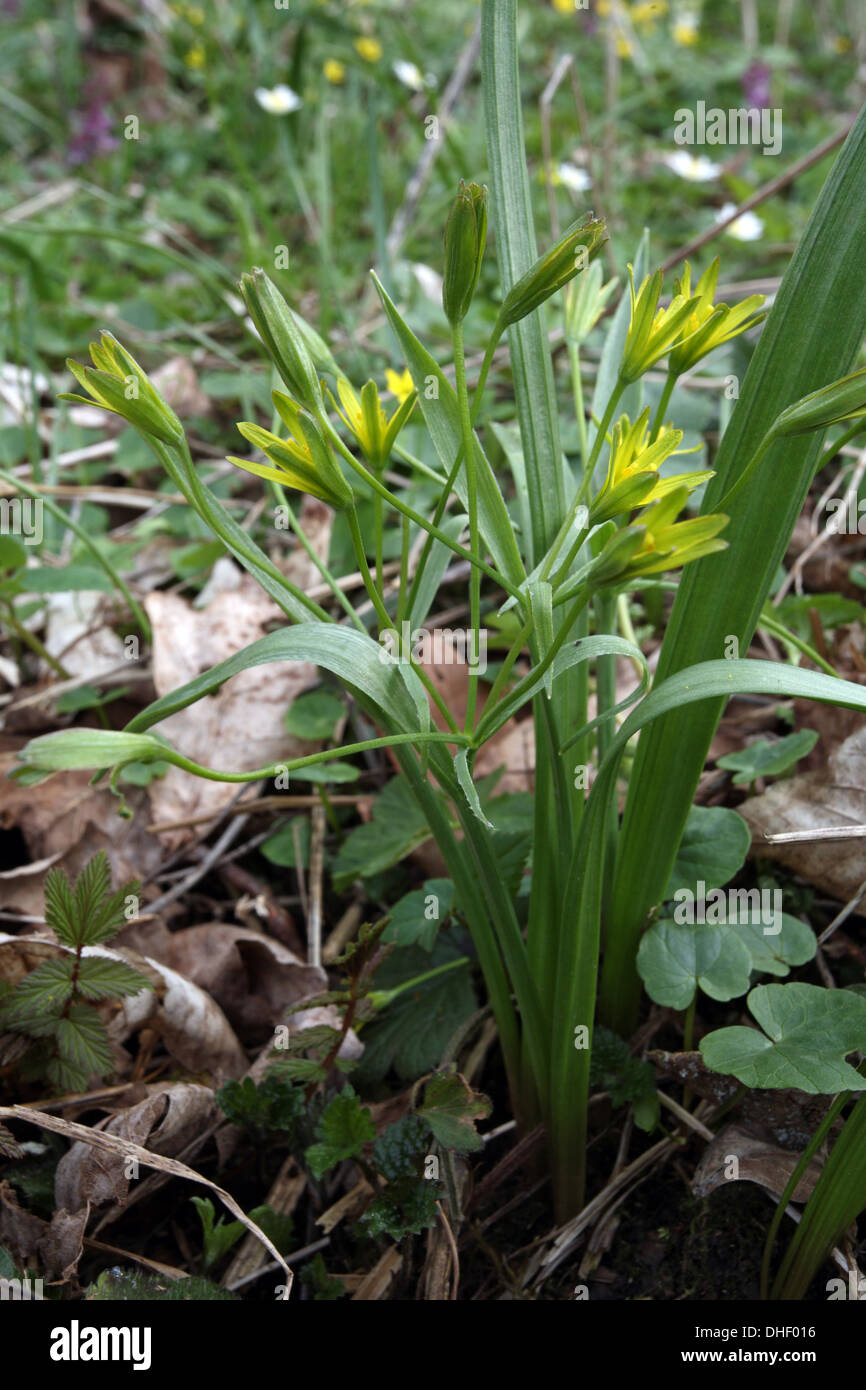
766	759
713	848
675	958
808	1032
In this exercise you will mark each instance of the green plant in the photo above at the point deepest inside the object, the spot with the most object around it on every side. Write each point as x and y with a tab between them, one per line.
565	554
55	1004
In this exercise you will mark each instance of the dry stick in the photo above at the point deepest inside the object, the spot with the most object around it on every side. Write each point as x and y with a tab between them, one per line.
253	807
418	179
761	196
795	573
317	869
231	832
544	105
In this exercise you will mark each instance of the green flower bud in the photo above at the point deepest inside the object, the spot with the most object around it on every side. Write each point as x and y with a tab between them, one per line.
841	400
465	237
117	383
571	254
277	327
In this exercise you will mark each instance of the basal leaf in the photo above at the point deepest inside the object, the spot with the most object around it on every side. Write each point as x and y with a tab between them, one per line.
808	1032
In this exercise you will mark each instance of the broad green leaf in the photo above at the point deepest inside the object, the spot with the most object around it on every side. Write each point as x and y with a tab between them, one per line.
765	759
36	1003
442	416
315	715
714	847
808	1031
795	944
451	1109
444	1004
675	958
279	848
354	658
55	579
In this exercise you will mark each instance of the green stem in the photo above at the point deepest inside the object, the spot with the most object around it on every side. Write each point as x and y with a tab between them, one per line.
579	408
373	482
79	531
472	499
664	402
32	641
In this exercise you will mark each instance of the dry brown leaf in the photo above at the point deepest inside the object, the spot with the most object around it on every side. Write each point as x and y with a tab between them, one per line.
54	1246
740	1153
253	978
164	1123
65	816
108	1143
813	800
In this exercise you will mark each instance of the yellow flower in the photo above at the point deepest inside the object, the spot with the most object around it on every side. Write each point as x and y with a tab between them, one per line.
303	461
646	13
710	324
685	33
841	44
368	422
623	47
668	544
195	56
399	383
369	49
564	6
653	331
195	15
335	71
633	470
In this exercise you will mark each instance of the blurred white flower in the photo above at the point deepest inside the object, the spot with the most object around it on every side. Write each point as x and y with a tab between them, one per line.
410	75
749	227
695	168
575	179
279	100
429	280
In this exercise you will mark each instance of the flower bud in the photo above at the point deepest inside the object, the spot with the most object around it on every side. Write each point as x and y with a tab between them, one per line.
465	236
841	400
286	345
117	383
571	254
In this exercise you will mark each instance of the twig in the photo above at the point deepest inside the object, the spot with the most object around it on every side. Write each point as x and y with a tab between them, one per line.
762	194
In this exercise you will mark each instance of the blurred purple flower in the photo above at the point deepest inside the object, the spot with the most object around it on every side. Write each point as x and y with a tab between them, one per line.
756	84
11	7
90	130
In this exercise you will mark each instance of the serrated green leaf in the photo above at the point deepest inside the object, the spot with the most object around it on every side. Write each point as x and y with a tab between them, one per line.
343	1129
808	1031
410	924
83	1041
444	1003
451	1108
397	827
37	1001
101	978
